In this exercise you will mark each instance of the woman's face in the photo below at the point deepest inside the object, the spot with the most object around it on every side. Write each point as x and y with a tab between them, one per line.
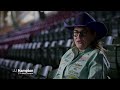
83	37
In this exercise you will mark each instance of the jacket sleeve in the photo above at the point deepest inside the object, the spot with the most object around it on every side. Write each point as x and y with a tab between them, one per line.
98	67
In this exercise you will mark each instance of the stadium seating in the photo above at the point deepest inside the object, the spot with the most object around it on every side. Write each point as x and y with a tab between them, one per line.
43	50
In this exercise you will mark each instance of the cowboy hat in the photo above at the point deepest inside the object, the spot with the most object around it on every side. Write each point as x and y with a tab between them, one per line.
84	19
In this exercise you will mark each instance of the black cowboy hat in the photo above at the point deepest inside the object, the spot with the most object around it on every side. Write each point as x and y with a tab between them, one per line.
84	19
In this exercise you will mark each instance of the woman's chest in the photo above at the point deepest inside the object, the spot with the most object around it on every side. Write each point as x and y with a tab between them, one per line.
76	68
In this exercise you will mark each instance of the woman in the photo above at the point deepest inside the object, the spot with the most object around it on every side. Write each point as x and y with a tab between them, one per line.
86	58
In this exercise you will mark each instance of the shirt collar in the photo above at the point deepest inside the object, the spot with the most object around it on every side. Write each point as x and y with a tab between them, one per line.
76	50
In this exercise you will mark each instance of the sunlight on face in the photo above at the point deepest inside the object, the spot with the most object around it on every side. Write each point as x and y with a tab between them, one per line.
83	37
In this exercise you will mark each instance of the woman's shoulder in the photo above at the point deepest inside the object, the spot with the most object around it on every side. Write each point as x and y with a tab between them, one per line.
94	55
72	52
98	53
100	57
68	52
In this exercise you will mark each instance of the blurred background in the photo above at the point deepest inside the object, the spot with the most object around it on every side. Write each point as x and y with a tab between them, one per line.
37	40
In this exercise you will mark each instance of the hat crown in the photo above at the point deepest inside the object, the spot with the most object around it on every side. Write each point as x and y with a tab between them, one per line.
83	19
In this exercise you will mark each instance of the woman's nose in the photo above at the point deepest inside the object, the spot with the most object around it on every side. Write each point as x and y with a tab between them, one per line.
79	35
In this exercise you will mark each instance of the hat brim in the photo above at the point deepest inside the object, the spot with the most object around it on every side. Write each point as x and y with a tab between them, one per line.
100	29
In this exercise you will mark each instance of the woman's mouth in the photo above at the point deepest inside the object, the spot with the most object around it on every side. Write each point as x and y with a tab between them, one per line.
79	42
